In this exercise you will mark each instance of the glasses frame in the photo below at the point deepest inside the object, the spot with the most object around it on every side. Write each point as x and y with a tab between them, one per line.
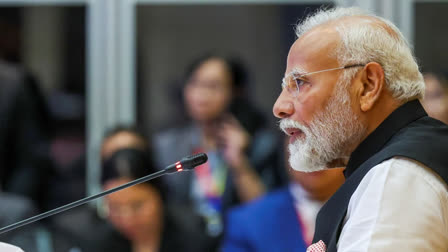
298	76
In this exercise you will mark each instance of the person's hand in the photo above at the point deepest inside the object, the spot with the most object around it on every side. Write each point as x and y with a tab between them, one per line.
233	141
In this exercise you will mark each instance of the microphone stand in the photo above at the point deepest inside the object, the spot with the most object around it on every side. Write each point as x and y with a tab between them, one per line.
185	164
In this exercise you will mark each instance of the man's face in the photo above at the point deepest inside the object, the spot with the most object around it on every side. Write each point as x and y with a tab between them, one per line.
320	120
208	92
135	211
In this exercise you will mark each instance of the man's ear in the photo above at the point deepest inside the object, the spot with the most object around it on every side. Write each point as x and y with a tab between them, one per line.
372	84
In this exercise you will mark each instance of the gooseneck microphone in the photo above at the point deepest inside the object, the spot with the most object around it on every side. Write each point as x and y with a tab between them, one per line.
185	164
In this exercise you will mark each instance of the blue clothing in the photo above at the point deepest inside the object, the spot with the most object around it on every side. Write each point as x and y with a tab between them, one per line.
268	224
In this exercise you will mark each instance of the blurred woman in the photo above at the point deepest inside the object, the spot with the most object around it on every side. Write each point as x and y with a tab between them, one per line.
230	130
142	221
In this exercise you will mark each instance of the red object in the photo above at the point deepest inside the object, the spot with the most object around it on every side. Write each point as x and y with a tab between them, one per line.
179	166
317	247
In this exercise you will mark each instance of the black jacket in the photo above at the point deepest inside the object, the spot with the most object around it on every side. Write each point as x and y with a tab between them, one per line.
407	132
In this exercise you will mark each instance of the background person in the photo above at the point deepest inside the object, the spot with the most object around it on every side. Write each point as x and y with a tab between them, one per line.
287	215
241	152
139	213
435	101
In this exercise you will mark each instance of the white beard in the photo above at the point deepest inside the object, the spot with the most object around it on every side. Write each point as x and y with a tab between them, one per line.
330	134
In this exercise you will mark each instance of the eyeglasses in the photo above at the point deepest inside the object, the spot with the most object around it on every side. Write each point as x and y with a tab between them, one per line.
293	81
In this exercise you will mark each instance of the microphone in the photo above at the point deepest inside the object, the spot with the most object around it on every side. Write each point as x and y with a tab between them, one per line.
185	164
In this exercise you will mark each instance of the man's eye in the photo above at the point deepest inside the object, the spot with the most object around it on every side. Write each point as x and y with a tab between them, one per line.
299	82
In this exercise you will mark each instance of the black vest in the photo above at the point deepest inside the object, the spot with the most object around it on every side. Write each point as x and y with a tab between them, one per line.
406	132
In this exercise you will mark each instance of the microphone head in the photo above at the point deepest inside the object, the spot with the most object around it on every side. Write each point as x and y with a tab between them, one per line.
191	162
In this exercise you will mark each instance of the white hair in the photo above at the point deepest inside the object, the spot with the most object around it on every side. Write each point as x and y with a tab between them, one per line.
364	42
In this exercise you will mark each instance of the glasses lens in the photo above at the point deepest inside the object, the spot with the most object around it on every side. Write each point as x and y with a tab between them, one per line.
289	83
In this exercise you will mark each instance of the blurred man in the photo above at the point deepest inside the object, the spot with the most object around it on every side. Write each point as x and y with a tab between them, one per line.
350	97
23	118
436	96
288	214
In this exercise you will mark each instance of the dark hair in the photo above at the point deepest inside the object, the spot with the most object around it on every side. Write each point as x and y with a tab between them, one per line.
131	164
238	72
133	129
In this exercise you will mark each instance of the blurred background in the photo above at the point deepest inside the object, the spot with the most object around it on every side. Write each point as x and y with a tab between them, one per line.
89	65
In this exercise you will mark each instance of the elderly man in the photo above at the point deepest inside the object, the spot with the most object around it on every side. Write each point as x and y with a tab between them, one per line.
350	98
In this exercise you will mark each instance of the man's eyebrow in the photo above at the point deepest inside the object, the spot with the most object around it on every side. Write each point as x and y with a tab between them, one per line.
297	71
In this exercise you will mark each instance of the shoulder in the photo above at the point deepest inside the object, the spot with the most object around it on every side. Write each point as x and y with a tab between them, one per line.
401	179
425	135
174	143
179	129
400	203
400	172
172	134
175	135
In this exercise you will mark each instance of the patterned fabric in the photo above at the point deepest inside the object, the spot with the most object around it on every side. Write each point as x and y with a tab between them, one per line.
210	181
317	247
208	188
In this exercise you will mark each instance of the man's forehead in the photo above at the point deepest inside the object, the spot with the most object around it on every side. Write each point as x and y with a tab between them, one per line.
316	47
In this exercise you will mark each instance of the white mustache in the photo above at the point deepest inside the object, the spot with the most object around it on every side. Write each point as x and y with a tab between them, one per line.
291	124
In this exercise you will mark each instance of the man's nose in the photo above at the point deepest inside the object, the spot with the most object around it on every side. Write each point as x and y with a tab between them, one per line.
283	107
